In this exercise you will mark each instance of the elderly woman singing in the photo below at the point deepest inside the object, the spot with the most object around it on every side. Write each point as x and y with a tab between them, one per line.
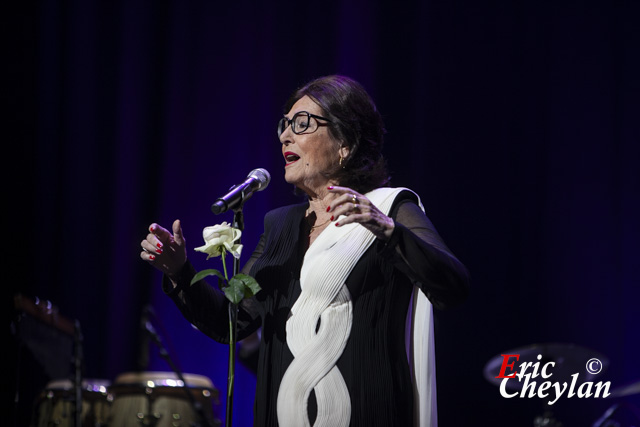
349	277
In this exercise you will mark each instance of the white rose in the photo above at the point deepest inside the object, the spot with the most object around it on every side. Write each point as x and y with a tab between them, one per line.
219	238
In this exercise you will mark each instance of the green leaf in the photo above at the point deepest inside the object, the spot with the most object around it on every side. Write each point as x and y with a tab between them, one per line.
251	285
206	273
241	286
235	291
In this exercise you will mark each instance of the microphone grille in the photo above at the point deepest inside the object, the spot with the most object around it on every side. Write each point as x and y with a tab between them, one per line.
262	176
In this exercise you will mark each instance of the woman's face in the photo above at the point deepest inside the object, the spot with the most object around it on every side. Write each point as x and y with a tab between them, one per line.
310	156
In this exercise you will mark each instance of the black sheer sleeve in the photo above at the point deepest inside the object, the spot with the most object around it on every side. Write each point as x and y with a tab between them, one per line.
206	307
416	249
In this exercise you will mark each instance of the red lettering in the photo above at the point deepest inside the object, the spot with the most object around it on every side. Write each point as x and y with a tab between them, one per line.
506	365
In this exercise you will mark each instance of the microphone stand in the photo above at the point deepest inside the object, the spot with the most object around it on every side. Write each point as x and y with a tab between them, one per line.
165	355
238	222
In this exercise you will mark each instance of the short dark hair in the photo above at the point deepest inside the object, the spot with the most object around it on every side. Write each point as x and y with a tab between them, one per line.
356	123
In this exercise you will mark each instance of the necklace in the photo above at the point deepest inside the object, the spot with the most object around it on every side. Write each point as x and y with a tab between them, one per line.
309	214
319	225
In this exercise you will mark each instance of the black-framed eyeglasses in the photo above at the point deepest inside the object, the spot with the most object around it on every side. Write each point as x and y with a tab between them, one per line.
300	123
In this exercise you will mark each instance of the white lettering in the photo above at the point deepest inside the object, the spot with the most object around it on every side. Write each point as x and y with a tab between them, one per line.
543	387
544	369
600	386
536	366
503	389
583	393
574	379
523	369
559	392
552	390
530	386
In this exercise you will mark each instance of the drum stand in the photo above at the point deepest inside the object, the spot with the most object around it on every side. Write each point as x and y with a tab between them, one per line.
197	407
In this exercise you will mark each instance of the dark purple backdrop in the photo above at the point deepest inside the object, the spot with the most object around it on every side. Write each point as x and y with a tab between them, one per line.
516	122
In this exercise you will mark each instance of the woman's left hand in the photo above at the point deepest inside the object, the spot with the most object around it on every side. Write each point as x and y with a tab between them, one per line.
356	208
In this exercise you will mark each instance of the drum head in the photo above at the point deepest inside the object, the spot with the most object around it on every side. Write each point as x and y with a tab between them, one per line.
162	399
56	404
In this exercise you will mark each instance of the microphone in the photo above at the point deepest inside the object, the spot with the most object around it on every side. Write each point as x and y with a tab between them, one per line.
257	180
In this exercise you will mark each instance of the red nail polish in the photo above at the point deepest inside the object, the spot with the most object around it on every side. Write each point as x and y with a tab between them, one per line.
152	229
331	218
337	224
159	251
152	257
328	208
159	245
330	187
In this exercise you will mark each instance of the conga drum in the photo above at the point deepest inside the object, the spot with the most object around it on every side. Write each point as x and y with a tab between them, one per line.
55	406
161	399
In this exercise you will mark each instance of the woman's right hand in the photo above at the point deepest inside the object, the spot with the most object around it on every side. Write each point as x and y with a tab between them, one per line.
165	251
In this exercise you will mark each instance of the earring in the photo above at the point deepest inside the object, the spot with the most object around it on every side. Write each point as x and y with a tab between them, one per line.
341	160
